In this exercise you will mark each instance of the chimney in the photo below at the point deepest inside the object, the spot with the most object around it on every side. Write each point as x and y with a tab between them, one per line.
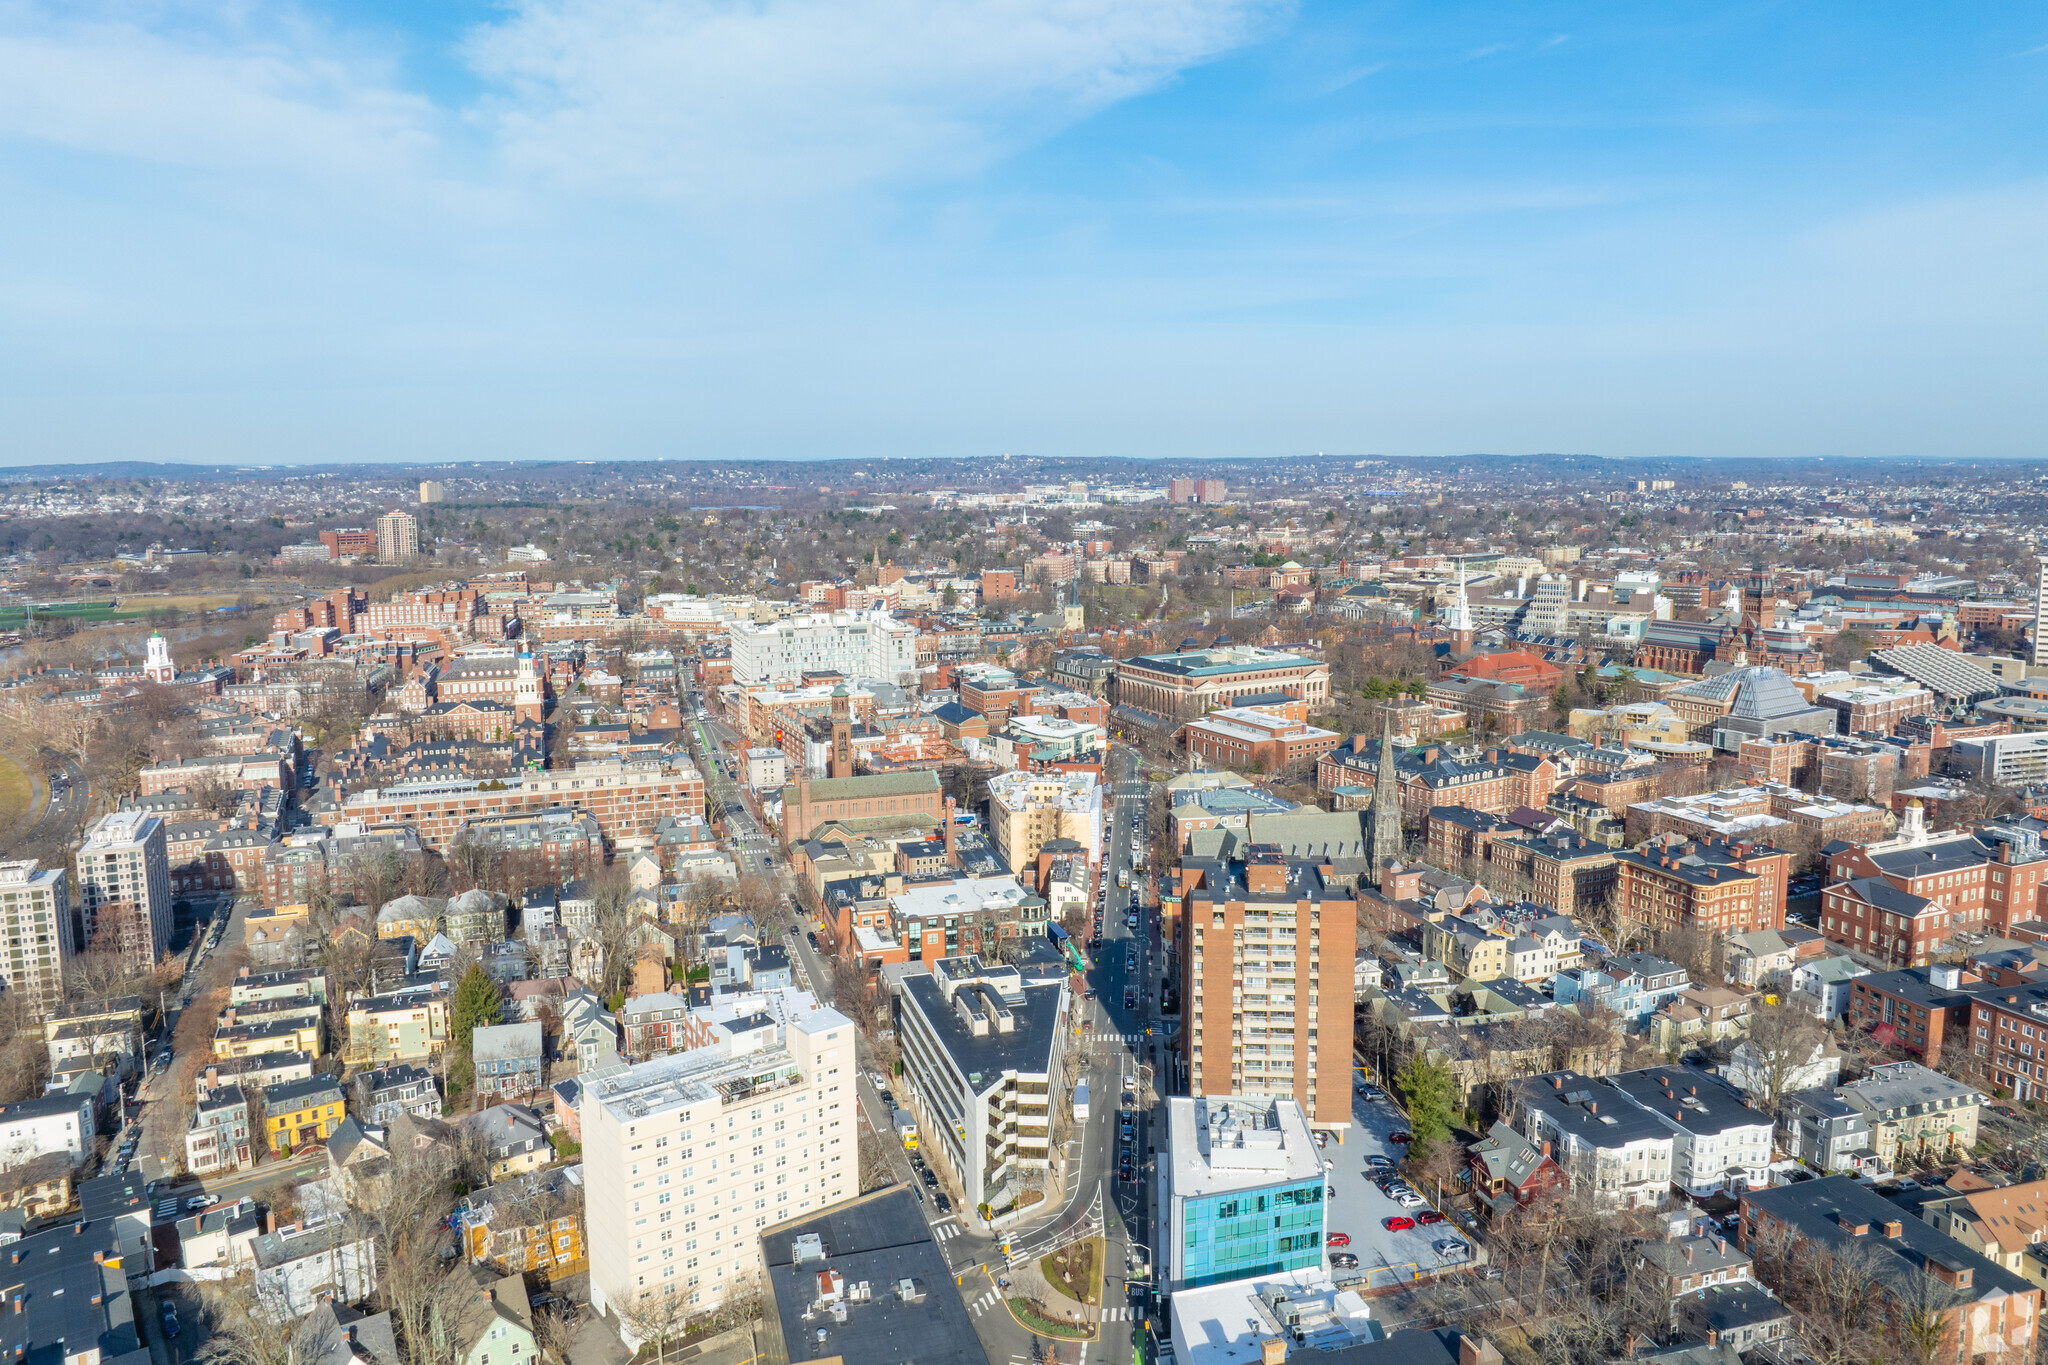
243	972
1713	1337
1720	1246
1272	1350
270	1220
1476	1350
1592	1106
78	1228
99	1258
1688	1253
1544	1147
1557	1082
1894	1229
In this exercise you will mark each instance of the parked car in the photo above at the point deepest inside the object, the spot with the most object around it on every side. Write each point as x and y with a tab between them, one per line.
1371	1092
1402	1136
1410	1200
1329	1165
1396	1223
170	1321
1343	1260
1337	1239
1377	1159
939	1198
1451	1249
1429	1216
201	1201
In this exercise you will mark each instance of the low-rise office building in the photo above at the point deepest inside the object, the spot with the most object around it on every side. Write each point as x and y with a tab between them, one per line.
982	1060
1240	1191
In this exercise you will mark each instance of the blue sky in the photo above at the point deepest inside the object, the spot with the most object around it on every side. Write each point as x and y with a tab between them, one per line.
807	228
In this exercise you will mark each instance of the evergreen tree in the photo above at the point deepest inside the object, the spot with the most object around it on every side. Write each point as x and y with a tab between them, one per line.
1431	1096
476	1003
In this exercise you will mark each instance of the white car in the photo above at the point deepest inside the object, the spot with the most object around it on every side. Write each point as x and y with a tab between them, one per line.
201	1201
1411	1201
1329	1165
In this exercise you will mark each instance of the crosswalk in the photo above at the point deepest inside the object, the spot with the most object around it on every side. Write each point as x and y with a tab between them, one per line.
1119	1038
1121	1312
944	1230
988	1299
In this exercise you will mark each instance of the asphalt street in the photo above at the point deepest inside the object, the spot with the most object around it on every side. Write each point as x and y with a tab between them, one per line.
1115	1054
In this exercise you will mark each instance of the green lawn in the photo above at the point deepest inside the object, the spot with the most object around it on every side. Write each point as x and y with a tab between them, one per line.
15	789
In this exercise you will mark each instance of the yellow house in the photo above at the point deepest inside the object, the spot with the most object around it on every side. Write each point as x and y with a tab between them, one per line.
1468	949
246	1032
413	917
396	1028
298	1113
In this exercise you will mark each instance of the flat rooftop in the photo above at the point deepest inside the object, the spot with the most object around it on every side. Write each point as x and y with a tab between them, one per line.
910	1310
1223	1143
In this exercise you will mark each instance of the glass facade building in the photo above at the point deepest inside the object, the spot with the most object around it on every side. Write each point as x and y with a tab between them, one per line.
1252	1233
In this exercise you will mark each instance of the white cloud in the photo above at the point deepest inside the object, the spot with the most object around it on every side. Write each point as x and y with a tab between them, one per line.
708	99
281	101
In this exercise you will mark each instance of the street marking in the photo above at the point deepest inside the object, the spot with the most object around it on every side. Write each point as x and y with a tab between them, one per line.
984	1303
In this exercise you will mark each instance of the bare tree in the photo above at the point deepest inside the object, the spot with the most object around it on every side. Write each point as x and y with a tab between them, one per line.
251	1325
553	1335
659	1320
472	861
215	795
1782	1039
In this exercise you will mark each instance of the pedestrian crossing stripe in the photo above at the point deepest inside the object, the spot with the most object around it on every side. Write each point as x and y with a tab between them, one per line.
984	1303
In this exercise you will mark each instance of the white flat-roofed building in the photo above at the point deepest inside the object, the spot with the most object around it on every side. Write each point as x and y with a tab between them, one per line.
124	886
686	1158
1051	739
1240	1191
982	1058
864	644
36	941
1304	1312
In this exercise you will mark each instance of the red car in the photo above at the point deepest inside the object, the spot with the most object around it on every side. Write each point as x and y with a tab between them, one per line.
1404	1137
1397	1223
1337	1239
1428	1216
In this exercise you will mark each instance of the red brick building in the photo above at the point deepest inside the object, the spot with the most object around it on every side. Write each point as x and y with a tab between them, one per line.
1712	884
1531	672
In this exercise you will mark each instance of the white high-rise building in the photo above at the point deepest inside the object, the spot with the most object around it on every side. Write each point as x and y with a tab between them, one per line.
398	537
2040	656
687	1157
124	886
36	939
859	644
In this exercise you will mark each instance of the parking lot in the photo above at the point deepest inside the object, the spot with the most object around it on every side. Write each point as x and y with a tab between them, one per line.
1359	1208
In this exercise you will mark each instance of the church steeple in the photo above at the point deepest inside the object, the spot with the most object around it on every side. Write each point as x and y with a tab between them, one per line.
1458	620
1386	807
158	665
